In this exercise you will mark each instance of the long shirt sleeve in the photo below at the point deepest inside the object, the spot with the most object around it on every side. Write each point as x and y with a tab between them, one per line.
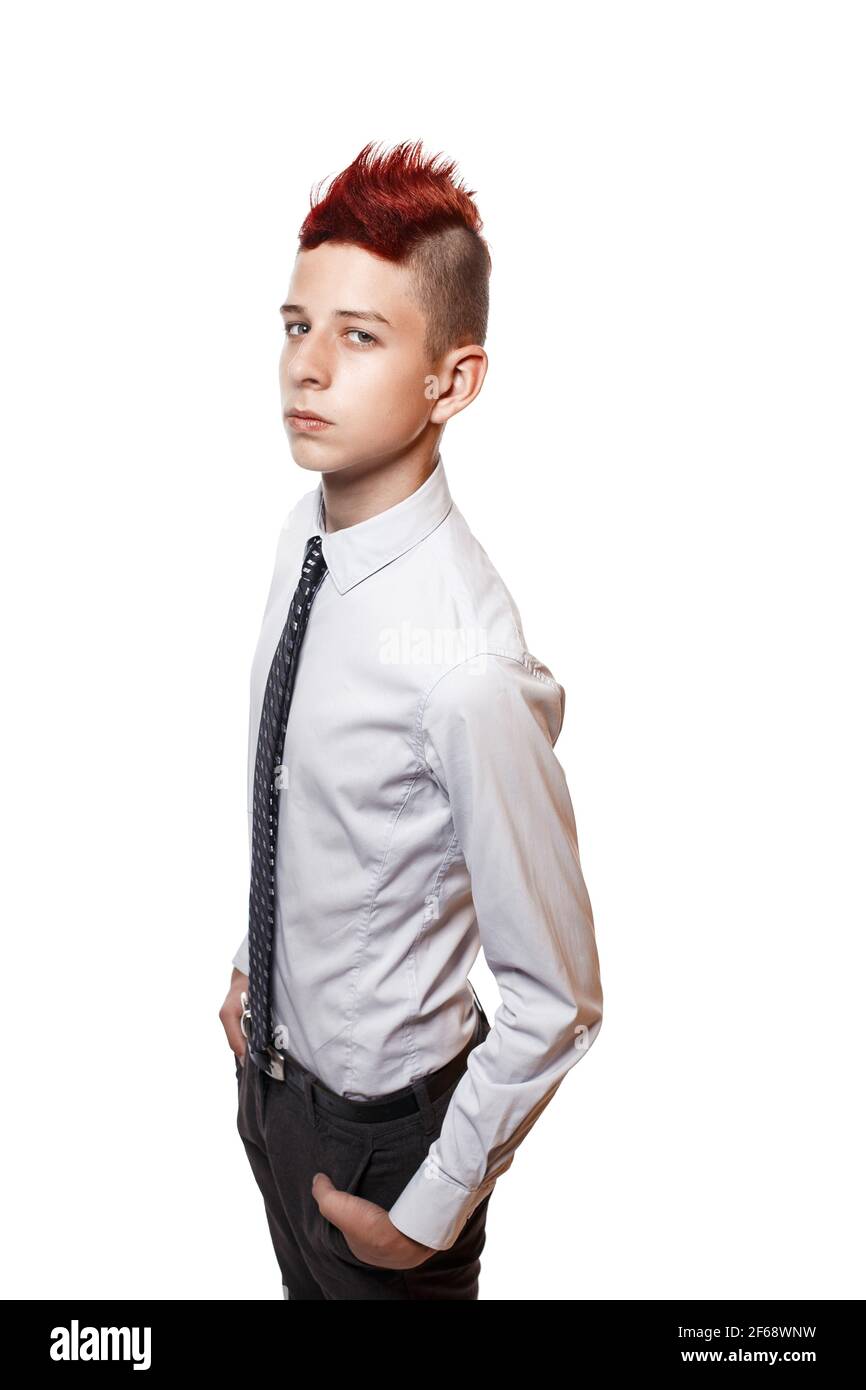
242	955
487	736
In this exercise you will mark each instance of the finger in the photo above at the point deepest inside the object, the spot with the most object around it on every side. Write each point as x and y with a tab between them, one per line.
352	1214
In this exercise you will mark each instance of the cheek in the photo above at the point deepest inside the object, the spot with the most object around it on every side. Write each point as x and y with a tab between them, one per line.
287	354
396	397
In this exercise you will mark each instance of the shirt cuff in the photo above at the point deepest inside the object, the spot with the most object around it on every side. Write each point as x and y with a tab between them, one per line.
242	956
433	1208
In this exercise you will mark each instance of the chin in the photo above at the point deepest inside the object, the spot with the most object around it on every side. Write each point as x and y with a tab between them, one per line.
309	463
307	451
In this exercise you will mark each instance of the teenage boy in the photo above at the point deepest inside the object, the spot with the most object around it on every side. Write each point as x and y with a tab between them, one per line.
406	806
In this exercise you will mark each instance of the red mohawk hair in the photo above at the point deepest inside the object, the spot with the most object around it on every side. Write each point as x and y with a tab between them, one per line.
404	206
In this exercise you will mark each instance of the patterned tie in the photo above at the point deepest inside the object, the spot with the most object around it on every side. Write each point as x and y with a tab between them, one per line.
269	754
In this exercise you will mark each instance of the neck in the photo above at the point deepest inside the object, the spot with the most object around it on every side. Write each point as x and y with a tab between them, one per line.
364	490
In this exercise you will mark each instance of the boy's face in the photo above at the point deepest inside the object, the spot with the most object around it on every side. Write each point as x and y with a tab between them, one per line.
365	375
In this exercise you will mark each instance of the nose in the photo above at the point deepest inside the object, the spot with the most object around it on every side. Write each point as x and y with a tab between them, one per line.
306	361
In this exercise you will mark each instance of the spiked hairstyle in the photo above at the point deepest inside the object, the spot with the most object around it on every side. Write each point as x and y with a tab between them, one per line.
404	206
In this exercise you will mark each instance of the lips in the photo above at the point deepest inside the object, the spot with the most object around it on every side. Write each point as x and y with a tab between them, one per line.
307	415
306	424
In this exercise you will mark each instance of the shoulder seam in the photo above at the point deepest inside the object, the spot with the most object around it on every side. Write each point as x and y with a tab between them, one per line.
523	658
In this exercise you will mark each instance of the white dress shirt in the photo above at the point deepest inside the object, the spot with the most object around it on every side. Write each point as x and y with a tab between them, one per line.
423	814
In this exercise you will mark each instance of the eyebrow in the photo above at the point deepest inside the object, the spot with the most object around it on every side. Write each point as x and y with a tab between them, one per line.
370	315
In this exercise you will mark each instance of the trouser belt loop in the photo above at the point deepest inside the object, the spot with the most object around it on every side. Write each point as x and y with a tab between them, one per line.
424	1105
309	1098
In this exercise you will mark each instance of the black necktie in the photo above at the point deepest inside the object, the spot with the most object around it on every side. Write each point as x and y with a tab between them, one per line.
269	754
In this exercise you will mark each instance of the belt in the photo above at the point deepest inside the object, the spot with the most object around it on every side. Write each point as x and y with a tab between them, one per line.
281	1066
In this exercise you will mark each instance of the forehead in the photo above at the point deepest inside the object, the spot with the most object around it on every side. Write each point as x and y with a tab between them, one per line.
339	276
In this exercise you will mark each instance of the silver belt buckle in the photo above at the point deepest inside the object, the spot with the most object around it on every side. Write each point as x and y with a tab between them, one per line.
276	1065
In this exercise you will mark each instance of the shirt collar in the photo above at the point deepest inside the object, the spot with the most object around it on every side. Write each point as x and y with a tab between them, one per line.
356	552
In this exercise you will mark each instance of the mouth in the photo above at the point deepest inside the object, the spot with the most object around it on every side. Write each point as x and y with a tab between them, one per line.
307	421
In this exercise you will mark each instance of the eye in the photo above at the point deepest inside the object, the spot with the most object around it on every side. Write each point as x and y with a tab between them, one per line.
369	336
290	326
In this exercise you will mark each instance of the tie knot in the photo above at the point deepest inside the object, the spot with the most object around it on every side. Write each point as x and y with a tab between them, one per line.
313	557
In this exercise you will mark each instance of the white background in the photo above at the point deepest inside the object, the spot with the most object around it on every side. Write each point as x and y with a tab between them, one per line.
666	466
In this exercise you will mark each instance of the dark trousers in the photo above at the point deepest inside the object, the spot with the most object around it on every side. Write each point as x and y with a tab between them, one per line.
288	1138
